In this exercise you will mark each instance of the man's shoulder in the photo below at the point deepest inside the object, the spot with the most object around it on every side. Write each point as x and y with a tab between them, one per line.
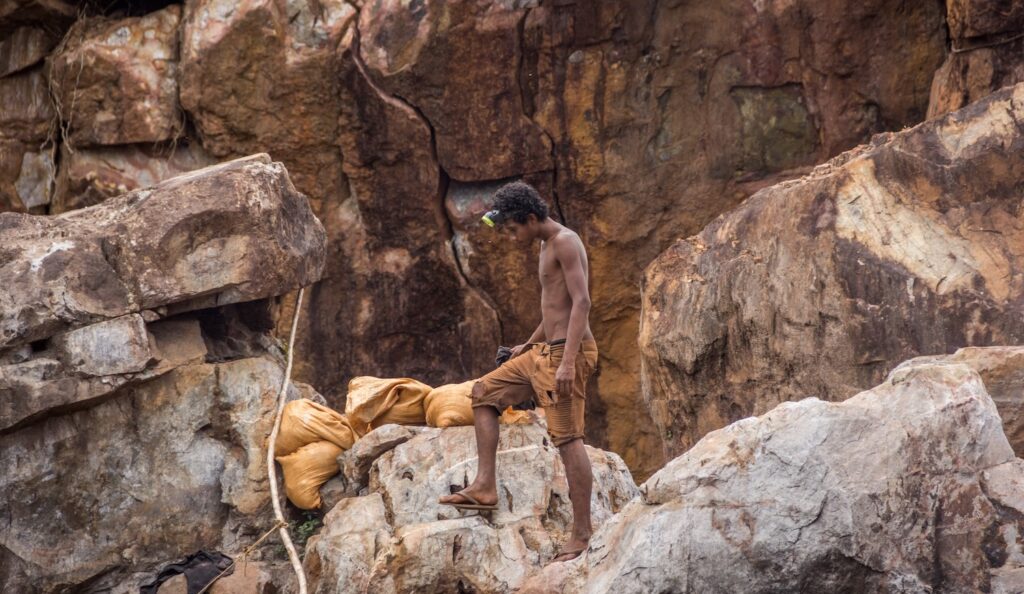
566	236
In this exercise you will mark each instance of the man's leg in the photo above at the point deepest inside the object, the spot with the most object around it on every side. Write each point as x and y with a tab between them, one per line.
581	480
484	487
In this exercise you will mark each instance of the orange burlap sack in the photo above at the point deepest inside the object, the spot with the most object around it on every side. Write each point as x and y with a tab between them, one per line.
304	422
450	406
306	470
373	402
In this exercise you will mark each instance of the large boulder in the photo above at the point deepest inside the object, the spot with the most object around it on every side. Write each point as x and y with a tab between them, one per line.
228	233
987	38
909	245
115	80
908	487
1002	371
397	538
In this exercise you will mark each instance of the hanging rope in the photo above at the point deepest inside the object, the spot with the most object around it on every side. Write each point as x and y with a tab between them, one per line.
271	469
281	524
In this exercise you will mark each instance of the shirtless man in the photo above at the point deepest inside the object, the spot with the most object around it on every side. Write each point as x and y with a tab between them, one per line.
551	368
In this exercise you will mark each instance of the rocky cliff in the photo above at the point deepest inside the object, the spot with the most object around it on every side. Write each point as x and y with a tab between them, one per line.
639	120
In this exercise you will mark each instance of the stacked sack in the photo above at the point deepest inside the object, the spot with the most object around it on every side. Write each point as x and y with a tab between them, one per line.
308	444
312	436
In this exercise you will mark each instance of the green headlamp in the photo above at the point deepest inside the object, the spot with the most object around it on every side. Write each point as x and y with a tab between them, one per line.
493	218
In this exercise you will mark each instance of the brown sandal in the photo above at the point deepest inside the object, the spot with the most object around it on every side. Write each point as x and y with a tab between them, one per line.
473	503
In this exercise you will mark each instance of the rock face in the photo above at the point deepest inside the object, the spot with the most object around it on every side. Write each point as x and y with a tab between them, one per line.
138	375
987	39
159	470
909	487
397	538
910	245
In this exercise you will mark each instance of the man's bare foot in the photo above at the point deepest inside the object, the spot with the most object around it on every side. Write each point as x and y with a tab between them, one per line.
470	497
572	549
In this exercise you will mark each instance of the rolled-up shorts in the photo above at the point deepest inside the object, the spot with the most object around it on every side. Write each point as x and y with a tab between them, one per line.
531	375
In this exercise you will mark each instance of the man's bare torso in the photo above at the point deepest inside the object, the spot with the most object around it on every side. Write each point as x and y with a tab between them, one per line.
555	301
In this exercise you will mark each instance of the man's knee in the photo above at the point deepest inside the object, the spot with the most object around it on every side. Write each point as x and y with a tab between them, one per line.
478	391
566	442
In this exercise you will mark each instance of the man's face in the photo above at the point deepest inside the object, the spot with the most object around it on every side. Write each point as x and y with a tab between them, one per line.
521	232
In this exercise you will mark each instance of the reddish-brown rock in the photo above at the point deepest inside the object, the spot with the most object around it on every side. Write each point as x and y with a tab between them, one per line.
818	287
89	176
987	38
115	81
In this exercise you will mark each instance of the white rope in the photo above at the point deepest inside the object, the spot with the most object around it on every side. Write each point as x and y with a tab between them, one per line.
271	469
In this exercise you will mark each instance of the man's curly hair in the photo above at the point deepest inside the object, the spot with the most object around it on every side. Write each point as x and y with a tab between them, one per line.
518	200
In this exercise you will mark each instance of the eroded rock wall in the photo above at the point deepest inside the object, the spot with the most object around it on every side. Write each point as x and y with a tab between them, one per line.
639	121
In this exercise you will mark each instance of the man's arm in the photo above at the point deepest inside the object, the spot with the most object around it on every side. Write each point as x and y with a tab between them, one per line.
568	256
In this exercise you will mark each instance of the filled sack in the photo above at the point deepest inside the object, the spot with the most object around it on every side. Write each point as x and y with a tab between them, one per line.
373	402
304	422
306	470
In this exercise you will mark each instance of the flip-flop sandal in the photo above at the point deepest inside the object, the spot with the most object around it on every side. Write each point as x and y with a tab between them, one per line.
473	503
575	555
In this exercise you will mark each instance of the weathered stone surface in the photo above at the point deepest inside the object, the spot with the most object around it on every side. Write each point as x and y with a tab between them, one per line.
288	98
978	18
246	577
233	232
115	81
28	114
340	559
393	278
89	176
24	47
171	465
907	246
986	39
26	177
909	487
397	538
966	77
477	114
1002	371
55	15
355	462
91	363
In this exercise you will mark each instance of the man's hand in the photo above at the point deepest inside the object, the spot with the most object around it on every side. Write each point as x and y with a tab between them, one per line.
517	350
565	377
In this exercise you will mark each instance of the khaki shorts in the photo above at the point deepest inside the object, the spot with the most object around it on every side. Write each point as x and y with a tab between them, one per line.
531	375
